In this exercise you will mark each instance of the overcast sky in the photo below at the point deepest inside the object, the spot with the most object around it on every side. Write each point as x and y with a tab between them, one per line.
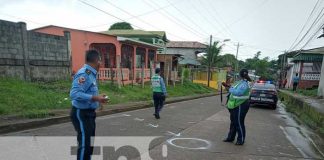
269	26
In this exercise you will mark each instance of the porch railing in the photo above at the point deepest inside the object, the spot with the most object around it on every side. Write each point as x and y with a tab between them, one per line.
311	76
108	73
138	73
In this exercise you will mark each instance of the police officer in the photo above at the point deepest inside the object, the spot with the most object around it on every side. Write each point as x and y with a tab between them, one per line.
159	92
238	106
85	100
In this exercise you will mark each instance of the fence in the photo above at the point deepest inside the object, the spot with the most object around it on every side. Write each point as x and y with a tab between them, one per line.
201	76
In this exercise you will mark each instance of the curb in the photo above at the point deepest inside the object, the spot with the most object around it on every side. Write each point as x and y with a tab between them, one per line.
37	123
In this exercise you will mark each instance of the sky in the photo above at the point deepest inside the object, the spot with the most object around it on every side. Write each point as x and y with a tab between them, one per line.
269	26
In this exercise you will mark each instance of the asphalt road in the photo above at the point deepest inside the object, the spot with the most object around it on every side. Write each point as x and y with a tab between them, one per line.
187	130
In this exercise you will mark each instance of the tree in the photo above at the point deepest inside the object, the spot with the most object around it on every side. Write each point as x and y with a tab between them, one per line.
263	67
226	60
212	57
121	25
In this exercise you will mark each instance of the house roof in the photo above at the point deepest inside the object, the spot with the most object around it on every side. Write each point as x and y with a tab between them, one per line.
310	55
136	33
53	26
186	44
130	40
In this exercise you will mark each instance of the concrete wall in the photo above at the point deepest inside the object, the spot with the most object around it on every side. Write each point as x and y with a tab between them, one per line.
32	56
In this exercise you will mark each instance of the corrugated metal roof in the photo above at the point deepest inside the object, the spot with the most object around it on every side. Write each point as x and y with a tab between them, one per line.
186	44
309	57
135	32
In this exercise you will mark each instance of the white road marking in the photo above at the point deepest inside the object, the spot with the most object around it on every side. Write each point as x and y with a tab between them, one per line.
151	125
173	134
138	119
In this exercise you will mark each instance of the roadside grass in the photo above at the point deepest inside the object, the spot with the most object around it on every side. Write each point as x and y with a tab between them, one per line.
37	99
304	113
306	92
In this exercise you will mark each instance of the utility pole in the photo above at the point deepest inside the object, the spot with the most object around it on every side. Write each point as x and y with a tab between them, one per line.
209	60
237	61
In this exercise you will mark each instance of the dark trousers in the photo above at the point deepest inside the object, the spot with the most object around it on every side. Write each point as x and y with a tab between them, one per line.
237	116
158	99
295	86
84	124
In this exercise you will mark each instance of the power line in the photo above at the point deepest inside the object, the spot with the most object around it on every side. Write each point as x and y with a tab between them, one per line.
177	21
24	19
308	19
137	17
192	21
313	36
230	34
110	14
318	18
140	15
204	17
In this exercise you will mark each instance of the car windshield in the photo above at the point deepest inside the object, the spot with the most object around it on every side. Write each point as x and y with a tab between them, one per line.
263	86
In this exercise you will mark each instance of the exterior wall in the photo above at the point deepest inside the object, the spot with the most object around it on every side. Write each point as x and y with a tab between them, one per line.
188	53
308	78
167	59
80	42
321	83
289	77
32	56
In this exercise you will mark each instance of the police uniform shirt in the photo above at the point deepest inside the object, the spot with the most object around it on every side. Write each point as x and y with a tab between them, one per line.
84	86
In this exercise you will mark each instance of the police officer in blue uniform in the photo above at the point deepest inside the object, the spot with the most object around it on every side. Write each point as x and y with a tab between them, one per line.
159	92
238	106
85	100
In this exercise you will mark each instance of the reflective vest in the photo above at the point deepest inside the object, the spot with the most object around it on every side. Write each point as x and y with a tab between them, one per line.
235	101
156	83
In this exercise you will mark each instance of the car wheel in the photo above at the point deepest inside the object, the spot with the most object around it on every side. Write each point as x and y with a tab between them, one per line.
274	107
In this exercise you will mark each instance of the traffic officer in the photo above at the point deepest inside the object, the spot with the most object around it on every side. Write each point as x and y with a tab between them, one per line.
85	100
159	92
238	106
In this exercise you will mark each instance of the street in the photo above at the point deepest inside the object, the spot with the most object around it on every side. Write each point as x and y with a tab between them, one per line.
195	129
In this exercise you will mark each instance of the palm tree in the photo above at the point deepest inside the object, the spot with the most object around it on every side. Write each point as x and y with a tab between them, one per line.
212	57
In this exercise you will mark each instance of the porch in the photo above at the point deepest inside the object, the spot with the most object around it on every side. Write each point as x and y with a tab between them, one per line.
131	61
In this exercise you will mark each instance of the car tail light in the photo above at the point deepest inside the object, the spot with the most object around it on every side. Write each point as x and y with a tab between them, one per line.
274	92
253	91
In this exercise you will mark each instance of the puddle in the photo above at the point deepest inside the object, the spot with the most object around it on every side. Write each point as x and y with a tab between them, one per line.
300	136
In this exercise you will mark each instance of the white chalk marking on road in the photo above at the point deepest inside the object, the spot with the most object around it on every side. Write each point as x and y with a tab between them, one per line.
151	125
126	115
115	123
173	134
208	144
116	116
164	150
286	154
138	119
123	129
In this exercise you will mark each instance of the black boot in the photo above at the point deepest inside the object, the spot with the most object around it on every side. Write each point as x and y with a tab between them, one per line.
239	143
228	140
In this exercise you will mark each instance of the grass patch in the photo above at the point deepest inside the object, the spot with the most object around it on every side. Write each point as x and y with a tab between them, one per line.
304	113
306	92
37	99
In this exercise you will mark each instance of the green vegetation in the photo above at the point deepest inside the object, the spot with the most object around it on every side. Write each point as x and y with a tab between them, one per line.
121	25
306	92
304	113
35	100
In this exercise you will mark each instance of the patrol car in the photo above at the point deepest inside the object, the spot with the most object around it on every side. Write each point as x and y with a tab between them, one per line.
264	93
